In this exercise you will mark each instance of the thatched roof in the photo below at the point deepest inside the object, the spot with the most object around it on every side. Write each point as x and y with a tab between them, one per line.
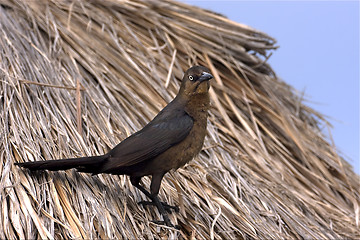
77	77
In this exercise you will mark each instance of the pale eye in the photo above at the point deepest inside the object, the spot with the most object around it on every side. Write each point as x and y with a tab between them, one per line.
191	78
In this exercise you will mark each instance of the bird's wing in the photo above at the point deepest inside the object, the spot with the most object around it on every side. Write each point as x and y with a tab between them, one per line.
152	140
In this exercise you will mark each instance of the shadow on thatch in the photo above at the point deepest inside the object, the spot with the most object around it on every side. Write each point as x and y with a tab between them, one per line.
78	77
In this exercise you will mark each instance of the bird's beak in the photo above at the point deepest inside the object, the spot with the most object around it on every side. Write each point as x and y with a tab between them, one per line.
205	76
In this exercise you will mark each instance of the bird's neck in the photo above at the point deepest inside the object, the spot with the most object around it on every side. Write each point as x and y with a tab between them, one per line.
198	105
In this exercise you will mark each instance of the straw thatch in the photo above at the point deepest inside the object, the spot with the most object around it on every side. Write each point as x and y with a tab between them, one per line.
77	77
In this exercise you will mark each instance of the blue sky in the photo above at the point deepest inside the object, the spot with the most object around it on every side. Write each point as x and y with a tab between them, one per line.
318	54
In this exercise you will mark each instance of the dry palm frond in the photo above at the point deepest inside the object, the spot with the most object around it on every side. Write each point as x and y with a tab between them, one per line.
77	77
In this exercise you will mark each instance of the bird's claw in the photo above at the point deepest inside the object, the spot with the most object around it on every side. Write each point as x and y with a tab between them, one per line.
166	206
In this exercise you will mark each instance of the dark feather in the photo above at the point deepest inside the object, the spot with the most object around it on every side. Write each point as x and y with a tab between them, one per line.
168	128
84	164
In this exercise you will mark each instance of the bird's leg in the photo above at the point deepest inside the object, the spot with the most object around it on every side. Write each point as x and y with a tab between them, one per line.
167	207
154	189
161	206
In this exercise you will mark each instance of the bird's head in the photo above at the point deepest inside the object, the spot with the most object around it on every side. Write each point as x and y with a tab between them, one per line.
196	81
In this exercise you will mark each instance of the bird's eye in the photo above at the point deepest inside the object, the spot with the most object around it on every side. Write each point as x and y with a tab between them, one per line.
191	78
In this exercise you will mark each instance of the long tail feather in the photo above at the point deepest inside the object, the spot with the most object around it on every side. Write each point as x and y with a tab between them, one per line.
83	164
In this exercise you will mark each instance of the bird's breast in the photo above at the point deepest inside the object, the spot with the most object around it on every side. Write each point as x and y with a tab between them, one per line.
184	151
181	153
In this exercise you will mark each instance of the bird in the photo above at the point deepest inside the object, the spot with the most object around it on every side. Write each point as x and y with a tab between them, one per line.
169	141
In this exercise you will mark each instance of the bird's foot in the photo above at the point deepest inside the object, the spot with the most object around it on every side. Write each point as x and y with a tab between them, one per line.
166	206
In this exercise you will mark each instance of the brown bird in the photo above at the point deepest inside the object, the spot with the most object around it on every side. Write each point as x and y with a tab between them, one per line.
168	142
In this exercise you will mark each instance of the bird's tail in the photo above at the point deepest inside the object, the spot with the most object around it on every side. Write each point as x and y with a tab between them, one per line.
83	164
